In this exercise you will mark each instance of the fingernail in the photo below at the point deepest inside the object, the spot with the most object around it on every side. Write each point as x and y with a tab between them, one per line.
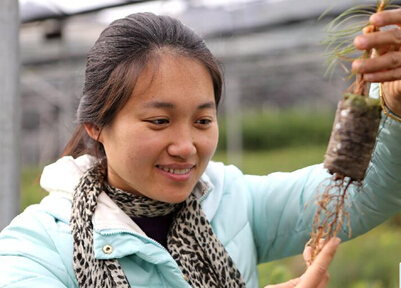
356	65
368	77
375	19
337	241
360	42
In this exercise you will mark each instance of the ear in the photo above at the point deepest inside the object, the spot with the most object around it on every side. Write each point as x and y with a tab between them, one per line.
93	131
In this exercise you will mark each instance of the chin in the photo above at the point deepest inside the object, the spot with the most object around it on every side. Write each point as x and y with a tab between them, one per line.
176	198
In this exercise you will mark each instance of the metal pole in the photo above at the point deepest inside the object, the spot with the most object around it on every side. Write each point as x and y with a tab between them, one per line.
233	122
9	112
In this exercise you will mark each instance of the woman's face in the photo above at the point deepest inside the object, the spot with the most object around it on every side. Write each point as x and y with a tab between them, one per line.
160	143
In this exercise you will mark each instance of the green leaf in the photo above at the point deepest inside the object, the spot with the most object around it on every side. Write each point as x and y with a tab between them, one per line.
342	30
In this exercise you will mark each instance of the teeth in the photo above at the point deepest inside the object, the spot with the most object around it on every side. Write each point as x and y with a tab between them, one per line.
175	171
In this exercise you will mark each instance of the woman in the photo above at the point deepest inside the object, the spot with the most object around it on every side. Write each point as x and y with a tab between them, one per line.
136	202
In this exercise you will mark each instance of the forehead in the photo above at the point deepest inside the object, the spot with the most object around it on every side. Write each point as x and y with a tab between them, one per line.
174	78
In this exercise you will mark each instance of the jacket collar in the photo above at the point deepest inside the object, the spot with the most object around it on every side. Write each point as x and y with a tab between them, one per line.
108	216
61	177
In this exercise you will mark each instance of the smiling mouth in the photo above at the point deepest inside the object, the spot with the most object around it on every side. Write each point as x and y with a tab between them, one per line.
175	171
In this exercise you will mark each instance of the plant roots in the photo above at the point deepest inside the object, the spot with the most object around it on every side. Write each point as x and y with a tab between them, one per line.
331	211
347	158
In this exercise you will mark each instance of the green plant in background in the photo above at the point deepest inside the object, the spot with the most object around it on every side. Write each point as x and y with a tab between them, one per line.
371	260
285	159
294	127
31	191
271	273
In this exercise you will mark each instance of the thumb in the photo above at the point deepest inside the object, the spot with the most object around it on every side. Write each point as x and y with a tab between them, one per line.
289	284
316	272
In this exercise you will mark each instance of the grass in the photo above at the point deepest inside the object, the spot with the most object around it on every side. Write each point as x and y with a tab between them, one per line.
31	191
284	159
267	130
369	261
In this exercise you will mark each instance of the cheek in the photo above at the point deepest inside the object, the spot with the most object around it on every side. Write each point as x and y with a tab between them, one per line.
123	145
209	143
144	148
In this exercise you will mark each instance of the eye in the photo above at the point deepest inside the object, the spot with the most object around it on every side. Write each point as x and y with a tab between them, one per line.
203	122
159	121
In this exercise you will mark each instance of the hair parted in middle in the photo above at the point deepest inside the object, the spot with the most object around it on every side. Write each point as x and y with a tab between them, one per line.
117	59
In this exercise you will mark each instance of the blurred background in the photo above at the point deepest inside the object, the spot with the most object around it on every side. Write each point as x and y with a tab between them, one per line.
276	113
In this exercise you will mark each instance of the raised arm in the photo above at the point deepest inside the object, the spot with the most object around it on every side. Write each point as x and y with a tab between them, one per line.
284	202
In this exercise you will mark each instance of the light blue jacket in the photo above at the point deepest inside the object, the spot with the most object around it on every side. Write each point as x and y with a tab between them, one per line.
257	218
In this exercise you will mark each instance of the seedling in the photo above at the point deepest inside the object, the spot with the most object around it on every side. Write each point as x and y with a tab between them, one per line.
355	126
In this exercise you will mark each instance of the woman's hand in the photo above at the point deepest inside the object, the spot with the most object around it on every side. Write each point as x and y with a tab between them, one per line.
386	67
316	276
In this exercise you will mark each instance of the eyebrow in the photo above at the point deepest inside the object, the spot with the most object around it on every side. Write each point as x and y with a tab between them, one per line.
208	105
161	104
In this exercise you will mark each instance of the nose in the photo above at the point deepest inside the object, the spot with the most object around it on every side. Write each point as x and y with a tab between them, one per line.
182	145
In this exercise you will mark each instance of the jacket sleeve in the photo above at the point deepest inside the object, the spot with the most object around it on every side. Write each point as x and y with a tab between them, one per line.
22	271
28	256
283	203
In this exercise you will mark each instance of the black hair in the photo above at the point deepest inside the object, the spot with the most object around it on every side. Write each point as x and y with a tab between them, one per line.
117	59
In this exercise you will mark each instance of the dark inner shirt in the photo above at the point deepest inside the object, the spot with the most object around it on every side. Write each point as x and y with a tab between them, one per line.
156	227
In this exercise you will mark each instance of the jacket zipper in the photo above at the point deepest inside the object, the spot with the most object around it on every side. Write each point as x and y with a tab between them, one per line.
150	240
137	235
206	192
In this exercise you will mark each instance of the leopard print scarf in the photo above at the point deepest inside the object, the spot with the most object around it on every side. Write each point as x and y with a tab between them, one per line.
190	241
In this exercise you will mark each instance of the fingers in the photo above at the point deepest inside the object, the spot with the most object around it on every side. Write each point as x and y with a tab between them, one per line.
387	65
380	69
383	76
308	252
316	275
384	18
388	39
389	61
307	255
290	284
325	280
